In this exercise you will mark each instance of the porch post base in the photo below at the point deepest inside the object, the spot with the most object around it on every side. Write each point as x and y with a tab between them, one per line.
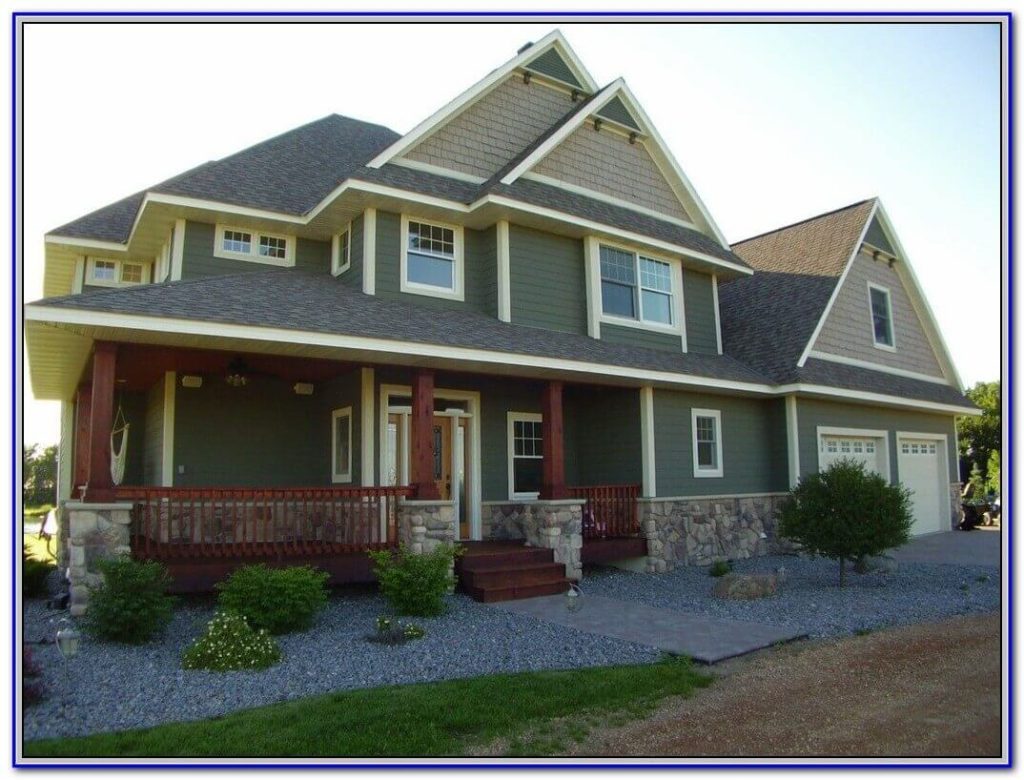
96	532
557	526
423	526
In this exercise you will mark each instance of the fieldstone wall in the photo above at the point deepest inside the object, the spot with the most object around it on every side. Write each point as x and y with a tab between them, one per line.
699	531
553	525
423	525
955	504
95	532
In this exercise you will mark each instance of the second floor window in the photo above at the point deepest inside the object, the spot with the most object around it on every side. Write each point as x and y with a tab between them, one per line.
240	244
636	287
432	259
104	271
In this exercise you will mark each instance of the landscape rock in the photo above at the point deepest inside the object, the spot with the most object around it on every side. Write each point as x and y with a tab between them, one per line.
747	586
882	564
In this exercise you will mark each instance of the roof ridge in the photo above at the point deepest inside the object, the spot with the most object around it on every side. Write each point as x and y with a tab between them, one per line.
804	221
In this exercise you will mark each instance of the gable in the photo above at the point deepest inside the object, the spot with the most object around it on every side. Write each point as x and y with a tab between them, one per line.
847	331
877	238
485	137
605	162
552	64
616	111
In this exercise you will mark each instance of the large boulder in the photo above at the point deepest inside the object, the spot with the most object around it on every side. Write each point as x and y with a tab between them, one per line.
880	564
748	586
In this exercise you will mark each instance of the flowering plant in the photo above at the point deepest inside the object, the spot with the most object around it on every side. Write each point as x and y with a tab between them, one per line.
230	644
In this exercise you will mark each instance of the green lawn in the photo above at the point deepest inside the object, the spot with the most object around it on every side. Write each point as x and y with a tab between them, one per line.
37	547
434	719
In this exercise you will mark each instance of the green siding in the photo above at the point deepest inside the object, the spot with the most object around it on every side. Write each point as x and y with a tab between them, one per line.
334	394
751	429
813	413
605	442
353	277
636	337
482	270
198	259
699	302
548	285
550	63
153	438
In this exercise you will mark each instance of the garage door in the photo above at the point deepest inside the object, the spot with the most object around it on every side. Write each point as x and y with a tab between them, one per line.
865	449
920	465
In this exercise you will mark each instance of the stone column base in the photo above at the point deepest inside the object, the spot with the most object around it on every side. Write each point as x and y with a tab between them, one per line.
423	526
558	526
95	532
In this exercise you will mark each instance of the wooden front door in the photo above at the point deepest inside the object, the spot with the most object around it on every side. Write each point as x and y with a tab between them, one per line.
442	449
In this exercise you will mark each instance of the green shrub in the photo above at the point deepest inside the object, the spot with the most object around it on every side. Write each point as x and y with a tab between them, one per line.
720	568
132	603
230	644
34	574
846	512
278	600
415	584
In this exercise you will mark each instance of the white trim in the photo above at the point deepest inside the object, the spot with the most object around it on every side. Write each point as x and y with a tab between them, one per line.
458	290
592	268
119	264
85	243
366	432
340	477
177	249
879	399
883	456
438	170
167	454
253	255
871	316
718	315
553	39
504	272
65	451
648	463
719	470
512	418
681	310
370	251
839	286
792	440
337	269
848	361
595	195
79	278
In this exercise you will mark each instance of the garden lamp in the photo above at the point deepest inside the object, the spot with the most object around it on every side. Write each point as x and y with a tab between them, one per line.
573	598
68	640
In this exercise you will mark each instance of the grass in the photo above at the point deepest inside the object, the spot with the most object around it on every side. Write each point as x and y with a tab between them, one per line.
36	512
37	547
432	719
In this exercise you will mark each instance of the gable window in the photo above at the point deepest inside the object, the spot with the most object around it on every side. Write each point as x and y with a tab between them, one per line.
341	251
341	445
707	442
880	301
636	287
103	271
256	246
525	454
432	259
131	273
115	273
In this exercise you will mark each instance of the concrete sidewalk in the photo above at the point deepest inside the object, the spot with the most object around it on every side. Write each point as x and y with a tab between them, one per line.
702	638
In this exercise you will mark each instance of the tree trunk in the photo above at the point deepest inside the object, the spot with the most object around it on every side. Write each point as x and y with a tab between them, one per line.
842	571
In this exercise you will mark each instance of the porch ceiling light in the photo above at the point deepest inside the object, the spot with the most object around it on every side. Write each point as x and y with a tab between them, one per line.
237	373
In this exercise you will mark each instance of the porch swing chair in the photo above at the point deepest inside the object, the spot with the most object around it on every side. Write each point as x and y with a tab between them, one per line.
118	456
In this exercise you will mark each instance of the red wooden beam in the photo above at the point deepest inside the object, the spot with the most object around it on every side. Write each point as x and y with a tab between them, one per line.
100	487
83	417
553	477
421	433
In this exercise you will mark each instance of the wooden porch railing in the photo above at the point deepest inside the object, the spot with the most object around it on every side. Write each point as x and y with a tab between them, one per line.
172	523
611	511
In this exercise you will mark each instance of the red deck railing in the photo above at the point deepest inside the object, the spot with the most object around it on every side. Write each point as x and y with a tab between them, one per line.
169	523
611	511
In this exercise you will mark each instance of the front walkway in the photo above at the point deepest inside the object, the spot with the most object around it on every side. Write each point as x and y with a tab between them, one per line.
980	547
703	638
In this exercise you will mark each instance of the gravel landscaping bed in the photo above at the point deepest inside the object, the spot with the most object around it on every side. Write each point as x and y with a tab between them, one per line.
810	600
117	687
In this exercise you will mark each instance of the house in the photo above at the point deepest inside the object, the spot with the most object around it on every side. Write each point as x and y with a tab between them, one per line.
518	321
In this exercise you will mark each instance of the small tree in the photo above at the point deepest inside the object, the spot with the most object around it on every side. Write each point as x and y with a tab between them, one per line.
994	483
846	512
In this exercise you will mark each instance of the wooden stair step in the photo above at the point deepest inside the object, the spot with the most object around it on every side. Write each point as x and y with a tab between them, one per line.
529	574
490	595
520	556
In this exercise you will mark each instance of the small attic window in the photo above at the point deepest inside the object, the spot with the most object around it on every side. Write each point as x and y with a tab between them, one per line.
880	301
233	243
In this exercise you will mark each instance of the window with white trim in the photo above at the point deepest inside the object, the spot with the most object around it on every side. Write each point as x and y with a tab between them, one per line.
880	301
232	243
636	287
341	445
341	251
525	454
131	273
432	262
706	426
101	272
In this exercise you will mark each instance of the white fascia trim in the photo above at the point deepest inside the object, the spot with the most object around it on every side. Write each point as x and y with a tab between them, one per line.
875	398
370	251
592	269
648	463
848	361
86	243
504	272
839	286
793	440
167	454
917	298
79	278
416	165
601	99
718	316
477	91
177	250
595	195
366	431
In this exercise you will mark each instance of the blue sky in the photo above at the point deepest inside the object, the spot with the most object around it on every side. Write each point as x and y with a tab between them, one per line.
772	123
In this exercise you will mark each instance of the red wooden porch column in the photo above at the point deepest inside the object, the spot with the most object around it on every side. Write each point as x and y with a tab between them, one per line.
421	433
100	487
553	476
83	417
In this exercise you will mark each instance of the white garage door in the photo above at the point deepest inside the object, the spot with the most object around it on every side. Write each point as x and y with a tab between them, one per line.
861	448
920	465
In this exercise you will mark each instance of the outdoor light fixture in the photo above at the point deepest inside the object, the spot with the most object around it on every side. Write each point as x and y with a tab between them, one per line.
303	388
68	640
191	381
573	598
236	373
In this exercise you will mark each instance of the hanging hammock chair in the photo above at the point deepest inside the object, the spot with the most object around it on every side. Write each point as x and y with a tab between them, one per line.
118	456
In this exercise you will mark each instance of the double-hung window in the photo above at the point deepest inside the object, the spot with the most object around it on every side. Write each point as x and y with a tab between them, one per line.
707	442
341	251
635	287
431	259
525	454
232	243
880	302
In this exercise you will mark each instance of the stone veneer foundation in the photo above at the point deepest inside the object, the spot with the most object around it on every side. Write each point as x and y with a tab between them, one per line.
698	531
95	532
553	525
955	504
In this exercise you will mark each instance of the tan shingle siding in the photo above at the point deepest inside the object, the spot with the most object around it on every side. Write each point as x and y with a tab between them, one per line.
608	163
848	331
